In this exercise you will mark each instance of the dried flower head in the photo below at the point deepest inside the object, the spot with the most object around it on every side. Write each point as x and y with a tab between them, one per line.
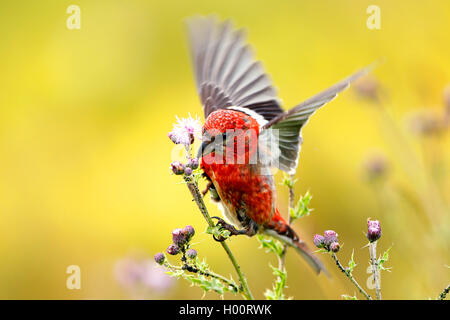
185	130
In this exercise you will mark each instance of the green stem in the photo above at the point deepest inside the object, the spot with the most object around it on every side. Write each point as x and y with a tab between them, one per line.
350	277
206	273
193	188
444	293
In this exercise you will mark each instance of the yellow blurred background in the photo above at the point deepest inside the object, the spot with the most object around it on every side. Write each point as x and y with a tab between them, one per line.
84	153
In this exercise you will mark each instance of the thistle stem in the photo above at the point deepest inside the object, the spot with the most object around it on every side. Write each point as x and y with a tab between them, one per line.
350	277
282	258
444	293
375	270
207	273
193	188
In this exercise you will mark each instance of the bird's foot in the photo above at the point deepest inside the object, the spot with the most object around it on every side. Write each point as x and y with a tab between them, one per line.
204	192
222	224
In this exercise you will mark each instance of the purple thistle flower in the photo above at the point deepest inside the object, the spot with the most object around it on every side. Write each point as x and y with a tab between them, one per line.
159	258
177	167
334	247
188	171
329	236
179	237
373	230
192	163
185	130
173	249
318	241
191	253
189	231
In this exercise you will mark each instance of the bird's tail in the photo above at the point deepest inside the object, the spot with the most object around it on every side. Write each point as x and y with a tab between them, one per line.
281	230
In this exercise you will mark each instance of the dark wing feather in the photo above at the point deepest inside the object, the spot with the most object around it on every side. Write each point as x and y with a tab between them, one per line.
289	124
225	70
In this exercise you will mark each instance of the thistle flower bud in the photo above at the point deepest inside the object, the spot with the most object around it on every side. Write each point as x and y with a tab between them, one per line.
373	230
188	171
177	167
329	236
367	87
192	163
334	247
191	254
426	123
189	232
318	241
179	237
173	249
159	258
376	167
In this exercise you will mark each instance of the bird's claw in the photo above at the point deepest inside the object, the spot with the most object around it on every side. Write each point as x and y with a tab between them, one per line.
222	224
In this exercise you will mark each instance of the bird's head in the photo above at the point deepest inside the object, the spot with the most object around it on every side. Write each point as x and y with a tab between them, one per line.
229	136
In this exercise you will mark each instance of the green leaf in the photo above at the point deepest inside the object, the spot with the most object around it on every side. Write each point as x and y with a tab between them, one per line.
347	297
322	250
280	283
175	273
288	181
271	245
302	208
351	264
383	259
218	232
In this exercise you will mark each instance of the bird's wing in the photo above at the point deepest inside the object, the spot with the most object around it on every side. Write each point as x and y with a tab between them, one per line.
226	72
284	131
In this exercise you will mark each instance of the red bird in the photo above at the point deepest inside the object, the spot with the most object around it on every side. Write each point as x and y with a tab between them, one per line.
246	133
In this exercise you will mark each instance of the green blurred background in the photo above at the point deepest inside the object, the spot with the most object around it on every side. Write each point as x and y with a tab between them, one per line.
84	153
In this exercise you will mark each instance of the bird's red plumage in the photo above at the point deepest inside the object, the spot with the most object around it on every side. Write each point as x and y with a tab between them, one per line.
241	186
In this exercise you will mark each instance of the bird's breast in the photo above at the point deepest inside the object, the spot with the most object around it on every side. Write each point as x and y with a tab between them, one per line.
244	191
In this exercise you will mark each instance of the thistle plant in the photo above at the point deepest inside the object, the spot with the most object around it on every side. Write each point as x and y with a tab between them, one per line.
197	272
373	234
184	132
190	267
328	243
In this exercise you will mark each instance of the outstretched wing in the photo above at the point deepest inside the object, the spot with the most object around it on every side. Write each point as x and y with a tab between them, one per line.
226	72
287	126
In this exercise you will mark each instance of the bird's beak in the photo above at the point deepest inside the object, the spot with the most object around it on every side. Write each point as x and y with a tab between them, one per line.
203	150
